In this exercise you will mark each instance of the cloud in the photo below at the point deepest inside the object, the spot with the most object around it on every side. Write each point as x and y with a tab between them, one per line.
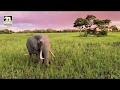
53	19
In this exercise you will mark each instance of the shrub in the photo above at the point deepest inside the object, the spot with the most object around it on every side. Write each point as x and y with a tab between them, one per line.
102	33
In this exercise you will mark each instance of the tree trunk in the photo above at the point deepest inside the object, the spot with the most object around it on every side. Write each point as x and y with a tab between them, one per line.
80	30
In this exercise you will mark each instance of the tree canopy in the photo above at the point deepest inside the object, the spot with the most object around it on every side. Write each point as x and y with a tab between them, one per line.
92	20
80	22
89	21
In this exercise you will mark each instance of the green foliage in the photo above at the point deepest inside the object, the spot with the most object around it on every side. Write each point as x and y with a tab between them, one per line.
107	21
88	22
102	33
76	57
102	23
98	22
90	32
48	31
90	17
79	22
6	31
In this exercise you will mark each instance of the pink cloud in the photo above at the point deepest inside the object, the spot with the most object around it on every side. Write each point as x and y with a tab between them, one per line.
56	19
59	15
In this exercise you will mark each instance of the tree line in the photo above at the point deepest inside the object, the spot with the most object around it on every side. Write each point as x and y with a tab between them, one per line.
48	31
6	31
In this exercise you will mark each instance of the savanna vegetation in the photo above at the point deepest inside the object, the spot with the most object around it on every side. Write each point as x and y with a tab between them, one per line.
76	57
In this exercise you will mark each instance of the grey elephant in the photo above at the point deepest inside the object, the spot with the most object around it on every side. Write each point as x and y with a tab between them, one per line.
39	45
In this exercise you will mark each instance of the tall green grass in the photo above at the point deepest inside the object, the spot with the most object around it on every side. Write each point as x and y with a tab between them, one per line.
76	57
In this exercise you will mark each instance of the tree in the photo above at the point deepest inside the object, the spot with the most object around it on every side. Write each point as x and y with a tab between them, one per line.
102	23
98	22
106	22
80	22
90	19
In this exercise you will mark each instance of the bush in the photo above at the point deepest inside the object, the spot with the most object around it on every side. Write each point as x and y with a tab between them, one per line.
85	34
102	33
89	31
93	32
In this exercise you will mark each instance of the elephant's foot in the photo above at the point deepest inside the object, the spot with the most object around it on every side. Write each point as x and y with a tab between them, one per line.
47	64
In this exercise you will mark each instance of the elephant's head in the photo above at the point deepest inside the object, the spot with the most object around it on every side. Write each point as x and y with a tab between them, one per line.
44	44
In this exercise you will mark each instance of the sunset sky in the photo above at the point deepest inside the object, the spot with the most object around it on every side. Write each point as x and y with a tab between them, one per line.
30	20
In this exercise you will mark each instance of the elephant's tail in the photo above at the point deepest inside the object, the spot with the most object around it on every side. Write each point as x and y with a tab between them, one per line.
52	53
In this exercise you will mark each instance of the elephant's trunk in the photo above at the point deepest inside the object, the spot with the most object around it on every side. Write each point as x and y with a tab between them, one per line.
45	50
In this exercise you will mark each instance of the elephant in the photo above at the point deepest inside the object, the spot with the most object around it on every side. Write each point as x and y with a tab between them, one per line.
40	46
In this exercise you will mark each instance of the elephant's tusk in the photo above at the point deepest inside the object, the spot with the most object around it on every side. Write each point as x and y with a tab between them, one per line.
52	53
41	55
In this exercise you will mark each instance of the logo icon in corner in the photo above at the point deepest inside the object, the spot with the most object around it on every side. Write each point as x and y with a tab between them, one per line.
8	20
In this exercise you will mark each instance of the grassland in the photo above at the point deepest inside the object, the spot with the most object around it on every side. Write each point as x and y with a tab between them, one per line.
76	57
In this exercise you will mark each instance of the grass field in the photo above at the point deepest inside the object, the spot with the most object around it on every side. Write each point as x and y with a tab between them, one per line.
76	57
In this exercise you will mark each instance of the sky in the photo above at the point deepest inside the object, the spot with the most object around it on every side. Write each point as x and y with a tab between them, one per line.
31	20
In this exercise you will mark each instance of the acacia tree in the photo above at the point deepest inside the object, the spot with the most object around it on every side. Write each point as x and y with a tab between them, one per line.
102	23
98	22
90	19
106	22
80	22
